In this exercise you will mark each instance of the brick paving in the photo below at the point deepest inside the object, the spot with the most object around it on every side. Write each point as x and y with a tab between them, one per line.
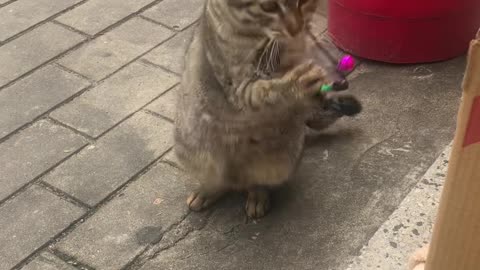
88	179
86	105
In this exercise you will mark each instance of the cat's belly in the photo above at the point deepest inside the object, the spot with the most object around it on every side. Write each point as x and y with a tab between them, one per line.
267	167
241	157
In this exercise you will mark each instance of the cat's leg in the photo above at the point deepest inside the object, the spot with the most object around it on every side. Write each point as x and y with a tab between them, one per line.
204	196
258	202
331	109
202	168
211	188
297	84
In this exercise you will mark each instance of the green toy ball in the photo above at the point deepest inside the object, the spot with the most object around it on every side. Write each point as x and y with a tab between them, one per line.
326	88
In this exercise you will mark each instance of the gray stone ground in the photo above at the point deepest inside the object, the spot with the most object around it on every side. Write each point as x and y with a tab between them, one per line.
88	182
409	227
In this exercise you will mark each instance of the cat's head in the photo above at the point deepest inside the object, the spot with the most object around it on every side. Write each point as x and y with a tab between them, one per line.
273	18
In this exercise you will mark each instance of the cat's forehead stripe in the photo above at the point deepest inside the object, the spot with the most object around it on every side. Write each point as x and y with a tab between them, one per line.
240	3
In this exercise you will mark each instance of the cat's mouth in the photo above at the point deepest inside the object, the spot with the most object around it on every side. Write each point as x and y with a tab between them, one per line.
274	35
280	34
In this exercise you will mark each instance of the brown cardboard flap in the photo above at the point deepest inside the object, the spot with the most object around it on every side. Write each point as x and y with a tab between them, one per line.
471	81
455	243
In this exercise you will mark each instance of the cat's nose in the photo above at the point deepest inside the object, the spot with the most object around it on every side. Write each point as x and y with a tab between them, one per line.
340	85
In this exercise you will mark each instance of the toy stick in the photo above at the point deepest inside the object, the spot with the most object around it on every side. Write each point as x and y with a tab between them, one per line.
345	64
456	236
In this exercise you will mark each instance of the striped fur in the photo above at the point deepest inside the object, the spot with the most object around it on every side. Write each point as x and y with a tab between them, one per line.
245	96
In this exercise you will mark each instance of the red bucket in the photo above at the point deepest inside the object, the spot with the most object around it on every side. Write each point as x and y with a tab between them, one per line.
407	31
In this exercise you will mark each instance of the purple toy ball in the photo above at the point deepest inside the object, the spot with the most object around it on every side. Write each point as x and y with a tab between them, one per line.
346	64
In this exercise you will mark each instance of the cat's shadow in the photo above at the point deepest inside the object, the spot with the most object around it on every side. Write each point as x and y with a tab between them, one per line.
286	194
330	136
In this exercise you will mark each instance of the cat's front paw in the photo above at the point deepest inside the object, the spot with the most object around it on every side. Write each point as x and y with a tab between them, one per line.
304	80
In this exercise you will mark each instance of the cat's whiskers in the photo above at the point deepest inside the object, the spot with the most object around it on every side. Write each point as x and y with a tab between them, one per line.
268	60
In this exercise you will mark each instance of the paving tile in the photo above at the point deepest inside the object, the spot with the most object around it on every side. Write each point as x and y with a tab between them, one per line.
165	105
47	261
177	14
126	225
170	55
32	151
22	14
109	52
33	49
96	15
217	241
410	226
29	221
99	109
99	169
217	252
171	158
34	95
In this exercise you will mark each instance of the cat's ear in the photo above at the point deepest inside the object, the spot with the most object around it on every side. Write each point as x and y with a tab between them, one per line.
308	6
303	2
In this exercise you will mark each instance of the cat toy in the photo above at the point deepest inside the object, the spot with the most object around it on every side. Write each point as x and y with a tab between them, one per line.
346	64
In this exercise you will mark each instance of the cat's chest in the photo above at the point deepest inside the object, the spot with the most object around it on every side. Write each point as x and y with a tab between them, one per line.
290	58
279	58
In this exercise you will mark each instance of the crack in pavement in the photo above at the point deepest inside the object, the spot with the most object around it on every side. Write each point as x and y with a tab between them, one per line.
170	238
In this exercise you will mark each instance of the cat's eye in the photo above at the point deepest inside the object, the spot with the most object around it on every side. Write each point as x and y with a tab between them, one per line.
270	6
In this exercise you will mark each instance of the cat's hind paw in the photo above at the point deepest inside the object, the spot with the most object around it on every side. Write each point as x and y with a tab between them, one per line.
199	200
258	203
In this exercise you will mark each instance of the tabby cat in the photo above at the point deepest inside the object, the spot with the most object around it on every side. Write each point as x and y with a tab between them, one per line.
247	92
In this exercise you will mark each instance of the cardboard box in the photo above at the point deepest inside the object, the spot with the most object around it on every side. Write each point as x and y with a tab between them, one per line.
456	235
